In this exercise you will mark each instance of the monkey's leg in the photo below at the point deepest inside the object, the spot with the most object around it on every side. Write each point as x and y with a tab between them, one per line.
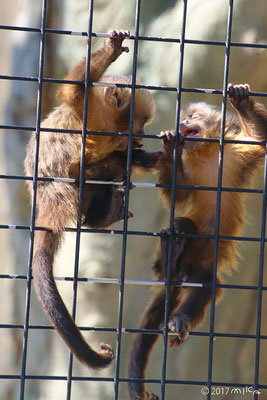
181	225
105	207
153	316
191	310
143	343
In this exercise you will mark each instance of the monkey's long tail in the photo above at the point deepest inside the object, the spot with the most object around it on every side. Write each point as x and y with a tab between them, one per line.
143	343
45	246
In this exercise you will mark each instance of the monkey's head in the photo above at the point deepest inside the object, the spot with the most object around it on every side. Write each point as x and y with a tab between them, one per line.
201	120
118	104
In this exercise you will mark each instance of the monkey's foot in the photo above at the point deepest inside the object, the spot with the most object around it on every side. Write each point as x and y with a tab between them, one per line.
106	352
117	206
168	139
114	43
150	396
179	326
239	96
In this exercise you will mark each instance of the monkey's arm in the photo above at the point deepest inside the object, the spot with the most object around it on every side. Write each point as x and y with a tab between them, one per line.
99	62
101	59
165	168
252	115
145	161
107	169
253	119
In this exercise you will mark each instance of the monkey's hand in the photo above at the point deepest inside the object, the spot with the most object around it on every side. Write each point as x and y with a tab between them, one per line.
239	96
168	139
142	158
177	324
113	45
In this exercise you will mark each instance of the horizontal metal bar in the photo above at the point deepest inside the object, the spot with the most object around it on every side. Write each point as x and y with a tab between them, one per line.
137	233
132	37
139	282
138	86
108	379
134	183
221	335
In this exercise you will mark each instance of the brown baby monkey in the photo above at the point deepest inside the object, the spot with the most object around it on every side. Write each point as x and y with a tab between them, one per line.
192	259
108	110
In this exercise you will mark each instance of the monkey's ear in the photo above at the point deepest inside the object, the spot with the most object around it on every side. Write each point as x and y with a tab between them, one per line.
113	97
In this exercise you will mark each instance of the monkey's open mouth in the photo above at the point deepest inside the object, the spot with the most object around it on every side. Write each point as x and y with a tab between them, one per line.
189	132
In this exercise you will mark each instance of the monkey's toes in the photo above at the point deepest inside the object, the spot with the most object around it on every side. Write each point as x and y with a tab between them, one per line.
151	396
179	325
107	351
130	214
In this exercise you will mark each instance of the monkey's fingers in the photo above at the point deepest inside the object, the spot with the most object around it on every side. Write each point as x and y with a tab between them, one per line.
239	95
238	91
167	136
122	189
165	232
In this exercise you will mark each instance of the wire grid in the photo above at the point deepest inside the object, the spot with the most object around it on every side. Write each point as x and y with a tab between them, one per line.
125	232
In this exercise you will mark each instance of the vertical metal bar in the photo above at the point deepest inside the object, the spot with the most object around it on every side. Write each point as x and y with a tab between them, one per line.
127	194
34	194
172	210
219	192
79	222
260	284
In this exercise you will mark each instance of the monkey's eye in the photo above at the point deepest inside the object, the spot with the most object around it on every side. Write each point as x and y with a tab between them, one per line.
197	116
144	120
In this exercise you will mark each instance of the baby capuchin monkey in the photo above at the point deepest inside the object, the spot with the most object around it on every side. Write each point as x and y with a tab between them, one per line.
192	259
105	159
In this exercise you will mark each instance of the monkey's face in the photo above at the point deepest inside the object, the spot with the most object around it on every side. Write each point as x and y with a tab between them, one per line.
118	104
200	121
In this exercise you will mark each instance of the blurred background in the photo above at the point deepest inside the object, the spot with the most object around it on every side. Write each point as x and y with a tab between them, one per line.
101	254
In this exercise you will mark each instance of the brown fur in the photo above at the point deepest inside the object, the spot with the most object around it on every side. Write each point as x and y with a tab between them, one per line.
105	159
197	165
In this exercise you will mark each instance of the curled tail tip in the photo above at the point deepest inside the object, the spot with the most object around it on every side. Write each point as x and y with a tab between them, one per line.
102	359
107	352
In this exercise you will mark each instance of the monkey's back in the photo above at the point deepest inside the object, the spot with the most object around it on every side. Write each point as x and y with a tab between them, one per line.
57	151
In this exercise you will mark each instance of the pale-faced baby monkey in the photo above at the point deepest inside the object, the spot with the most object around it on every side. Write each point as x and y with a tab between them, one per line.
105	159
192	259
